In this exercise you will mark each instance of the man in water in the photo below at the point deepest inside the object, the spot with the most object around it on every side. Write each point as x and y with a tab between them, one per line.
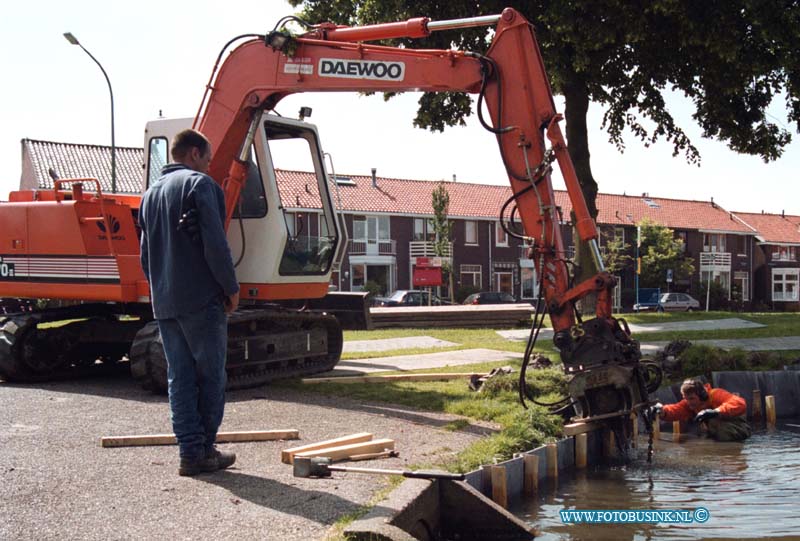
723	414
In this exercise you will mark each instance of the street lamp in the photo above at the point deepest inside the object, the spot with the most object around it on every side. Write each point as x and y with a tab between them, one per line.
73	40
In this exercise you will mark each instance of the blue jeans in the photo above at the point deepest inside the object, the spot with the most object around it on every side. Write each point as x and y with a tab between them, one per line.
195	345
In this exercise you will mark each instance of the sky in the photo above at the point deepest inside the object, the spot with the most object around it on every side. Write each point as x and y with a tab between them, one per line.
158	56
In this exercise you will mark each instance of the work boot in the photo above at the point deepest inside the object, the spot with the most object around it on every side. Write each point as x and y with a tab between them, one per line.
213	461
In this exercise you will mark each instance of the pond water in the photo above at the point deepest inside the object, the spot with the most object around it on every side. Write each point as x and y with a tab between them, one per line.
751	491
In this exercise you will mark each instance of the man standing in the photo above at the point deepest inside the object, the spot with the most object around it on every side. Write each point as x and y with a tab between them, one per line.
722	413
192	287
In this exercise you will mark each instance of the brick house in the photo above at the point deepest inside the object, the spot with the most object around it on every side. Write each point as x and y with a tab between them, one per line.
389	227
776	268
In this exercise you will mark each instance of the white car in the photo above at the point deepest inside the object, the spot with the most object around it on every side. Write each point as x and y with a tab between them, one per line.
677	301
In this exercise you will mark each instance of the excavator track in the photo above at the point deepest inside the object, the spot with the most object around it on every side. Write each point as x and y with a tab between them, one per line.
264	345
60	343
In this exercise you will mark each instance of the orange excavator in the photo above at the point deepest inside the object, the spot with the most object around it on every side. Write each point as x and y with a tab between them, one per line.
75	243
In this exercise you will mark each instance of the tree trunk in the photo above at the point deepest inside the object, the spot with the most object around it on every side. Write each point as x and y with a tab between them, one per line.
576	108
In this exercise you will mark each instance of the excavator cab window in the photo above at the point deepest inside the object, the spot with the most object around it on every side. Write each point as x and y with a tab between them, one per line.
309	249
252	200
157	158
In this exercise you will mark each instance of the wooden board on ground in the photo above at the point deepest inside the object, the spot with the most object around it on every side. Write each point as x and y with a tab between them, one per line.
222	437
345	451
393	377
287	455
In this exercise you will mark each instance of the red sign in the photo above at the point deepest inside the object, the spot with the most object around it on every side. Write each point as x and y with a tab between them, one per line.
427	276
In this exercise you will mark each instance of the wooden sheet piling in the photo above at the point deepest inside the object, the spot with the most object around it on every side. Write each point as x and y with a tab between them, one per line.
676	431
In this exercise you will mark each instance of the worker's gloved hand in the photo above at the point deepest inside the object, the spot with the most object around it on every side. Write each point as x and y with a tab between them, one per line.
706	415
190	224
656	409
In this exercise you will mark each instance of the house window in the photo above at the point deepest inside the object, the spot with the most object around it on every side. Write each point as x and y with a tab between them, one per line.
683	236
528	289
358	277
784	253
741	245
360	228
617	294
784	285
714	242
423	230
471	275
430	234
741	281
619	234
470	232
501	238
723	278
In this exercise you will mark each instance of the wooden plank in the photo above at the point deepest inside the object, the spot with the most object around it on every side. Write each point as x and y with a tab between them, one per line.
222	437
393	377
346	451
499	485
288	454
634	430
530	480
573	429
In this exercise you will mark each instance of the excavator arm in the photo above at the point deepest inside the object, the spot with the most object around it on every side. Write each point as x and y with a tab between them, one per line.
511	83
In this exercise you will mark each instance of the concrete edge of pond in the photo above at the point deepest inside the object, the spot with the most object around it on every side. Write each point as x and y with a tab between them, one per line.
419	509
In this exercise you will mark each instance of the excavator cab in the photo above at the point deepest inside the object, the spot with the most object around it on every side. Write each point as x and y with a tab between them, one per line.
284	235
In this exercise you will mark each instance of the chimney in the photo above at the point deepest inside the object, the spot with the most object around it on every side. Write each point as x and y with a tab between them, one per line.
454	177
783	214
374	177
712	203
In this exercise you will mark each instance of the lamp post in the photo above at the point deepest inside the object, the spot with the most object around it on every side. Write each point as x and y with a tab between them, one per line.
73	40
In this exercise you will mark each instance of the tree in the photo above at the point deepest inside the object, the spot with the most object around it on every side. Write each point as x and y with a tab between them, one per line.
440	201
616	255
732	58
660	250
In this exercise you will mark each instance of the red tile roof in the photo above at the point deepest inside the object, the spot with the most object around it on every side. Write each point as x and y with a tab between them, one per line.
774	228
71	160
400	196
396	196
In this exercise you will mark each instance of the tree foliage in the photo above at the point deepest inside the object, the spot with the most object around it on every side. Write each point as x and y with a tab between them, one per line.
443	227
616	256
731	58
660	250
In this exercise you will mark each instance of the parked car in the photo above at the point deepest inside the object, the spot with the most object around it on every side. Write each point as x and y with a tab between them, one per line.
490	297
677	301
409	297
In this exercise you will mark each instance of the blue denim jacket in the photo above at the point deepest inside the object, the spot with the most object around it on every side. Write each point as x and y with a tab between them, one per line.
185	274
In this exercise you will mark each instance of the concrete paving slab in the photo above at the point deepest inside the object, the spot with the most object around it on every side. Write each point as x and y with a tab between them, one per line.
673	326
389	344
416	362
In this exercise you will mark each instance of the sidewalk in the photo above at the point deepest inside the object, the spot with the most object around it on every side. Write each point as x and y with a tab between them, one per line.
472	356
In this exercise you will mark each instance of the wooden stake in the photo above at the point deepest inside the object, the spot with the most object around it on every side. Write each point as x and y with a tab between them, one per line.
499	488
634	430
581	445
288	454
530	468
346	451
656	428
552	460
222	437
609	444
757	412
392	378
769	401
676	431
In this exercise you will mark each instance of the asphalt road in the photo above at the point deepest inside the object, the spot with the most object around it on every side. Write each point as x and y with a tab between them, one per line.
56	482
